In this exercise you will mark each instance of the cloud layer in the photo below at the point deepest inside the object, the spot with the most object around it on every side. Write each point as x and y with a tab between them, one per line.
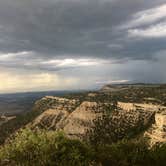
81	39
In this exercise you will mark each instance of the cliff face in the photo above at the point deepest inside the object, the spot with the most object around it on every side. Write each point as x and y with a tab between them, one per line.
123	122
157	132
80	120
51	119
141	106
74	122
56	103
76	118
54	111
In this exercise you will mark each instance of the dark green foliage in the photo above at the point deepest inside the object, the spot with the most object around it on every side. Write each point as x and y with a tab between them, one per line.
158	155
123	153
46	148
43	148
131	153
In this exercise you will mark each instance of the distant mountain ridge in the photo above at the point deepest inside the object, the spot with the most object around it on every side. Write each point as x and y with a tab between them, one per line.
112	87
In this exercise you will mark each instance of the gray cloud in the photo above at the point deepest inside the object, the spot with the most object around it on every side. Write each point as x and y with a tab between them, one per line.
55	28
40	35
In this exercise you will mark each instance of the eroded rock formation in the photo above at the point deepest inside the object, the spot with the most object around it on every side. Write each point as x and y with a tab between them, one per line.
157	133
76	118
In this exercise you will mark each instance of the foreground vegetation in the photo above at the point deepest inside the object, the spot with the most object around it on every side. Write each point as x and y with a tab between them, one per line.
41	148
48	148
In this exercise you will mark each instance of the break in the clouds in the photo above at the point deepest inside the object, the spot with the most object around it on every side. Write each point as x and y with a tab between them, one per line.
62	44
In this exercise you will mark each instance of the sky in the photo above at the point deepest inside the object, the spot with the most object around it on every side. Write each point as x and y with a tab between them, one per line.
80	44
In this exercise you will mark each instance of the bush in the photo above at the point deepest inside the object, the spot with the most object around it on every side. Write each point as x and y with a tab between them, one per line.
134	152
43	148
123	153
48	148
158	155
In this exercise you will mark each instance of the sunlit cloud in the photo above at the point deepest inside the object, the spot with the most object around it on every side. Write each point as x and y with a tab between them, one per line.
11	82
154	31
13	56
31	60
74	62
147	17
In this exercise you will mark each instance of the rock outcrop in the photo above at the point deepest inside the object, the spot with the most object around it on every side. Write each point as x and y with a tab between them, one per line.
124	123
141	106
80	120
75	123
51	119
56	103
157	133
76	118
54	111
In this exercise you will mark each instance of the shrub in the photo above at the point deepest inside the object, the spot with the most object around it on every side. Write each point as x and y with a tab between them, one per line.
158	155
48	148
43	148
123	153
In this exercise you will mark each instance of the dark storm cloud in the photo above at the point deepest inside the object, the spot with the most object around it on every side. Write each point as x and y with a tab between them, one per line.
79	44
56	27
79	28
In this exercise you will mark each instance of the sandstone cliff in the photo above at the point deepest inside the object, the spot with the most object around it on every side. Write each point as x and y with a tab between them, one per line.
157	132
75	118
